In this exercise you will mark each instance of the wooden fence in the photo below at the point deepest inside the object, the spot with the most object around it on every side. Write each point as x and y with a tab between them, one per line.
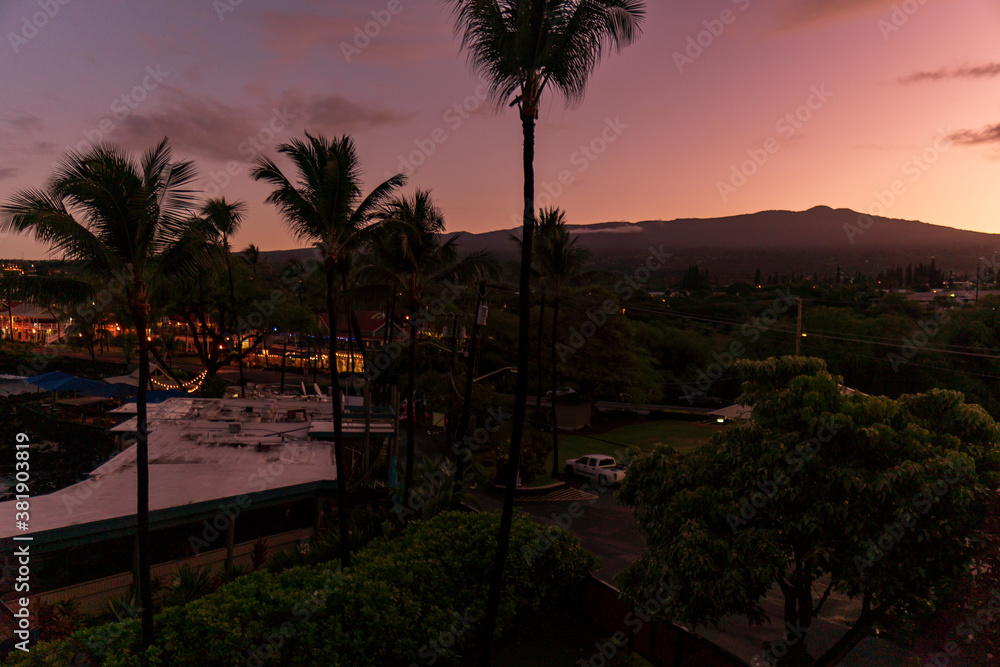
662	644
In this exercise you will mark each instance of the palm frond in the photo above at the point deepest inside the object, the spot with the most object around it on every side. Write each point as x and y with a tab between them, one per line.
519	47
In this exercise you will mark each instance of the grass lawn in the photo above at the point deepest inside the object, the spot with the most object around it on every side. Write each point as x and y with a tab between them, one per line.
684	436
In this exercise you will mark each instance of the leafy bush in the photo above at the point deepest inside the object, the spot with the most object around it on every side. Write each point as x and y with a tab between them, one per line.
188	583
403	601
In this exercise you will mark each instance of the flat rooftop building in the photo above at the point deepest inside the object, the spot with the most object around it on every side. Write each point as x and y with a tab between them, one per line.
223	473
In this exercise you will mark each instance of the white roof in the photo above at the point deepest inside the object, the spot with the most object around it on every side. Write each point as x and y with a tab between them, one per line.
242	410
133	377
735	411
31	310
189	462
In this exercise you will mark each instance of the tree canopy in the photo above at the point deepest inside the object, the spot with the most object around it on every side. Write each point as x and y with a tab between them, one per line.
866	496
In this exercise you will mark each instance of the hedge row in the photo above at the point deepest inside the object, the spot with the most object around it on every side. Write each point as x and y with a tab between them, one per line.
412	600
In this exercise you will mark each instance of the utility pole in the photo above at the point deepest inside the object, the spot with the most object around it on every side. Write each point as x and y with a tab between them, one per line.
454	339
472	351
977	280
798	328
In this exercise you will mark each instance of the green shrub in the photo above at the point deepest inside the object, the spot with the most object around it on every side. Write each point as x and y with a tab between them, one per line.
400	599
187	584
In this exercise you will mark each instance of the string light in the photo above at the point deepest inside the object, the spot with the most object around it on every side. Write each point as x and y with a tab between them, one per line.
190	386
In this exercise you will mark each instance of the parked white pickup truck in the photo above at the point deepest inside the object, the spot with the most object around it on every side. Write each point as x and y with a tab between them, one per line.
601	467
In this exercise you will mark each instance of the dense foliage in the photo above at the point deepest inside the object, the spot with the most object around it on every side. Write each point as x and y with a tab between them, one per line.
415	599
823	489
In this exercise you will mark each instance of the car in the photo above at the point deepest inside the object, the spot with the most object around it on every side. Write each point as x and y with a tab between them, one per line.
601	467
561	391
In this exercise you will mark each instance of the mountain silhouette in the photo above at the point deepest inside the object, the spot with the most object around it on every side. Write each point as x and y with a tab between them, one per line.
816	241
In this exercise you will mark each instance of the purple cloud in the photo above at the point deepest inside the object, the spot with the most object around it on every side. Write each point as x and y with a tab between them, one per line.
221	131
987	135
987	71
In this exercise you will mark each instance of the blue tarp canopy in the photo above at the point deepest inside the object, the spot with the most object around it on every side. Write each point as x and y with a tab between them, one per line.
118	390
50	381
59	381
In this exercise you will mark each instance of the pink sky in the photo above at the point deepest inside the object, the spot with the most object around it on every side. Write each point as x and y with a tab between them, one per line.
810	103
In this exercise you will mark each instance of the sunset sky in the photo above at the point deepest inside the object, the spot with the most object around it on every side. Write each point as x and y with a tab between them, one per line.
837	102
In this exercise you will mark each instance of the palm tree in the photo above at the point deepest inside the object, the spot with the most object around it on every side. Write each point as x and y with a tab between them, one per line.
407	251
559	260
7	301
87	334
117	216
251	255
224	219
171	346
521	47
327	209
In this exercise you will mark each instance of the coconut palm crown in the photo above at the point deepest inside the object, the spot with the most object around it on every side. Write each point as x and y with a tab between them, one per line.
120	220
325	206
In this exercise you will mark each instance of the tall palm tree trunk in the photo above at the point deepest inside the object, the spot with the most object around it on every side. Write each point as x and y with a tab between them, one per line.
284	359
315	364
392	320
411	409
541	373
142	476
521	387
338	426
236	328
358	341
555	381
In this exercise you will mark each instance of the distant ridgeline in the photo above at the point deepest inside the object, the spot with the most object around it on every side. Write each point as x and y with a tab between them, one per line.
786	243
